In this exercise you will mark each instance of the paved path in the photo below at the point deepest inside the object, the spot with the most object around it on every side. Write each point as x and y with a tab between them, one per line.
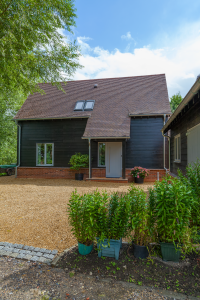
28	253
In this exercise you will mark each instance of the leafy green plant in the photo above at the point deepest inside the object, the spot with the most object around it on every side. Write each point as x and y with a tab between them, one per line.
139	216
192	181
112	216
81	210
78	161
171	211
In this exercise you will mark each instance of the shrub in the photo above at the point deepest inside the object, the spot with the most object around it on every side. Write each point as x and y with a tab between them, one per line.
170	211
192	182
81	211
139	216
112	217
78	161
139	172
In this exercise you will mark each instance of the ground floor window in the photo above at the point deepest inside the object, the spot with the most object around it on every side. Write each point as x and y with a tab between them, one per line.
177	148
101	154
44	154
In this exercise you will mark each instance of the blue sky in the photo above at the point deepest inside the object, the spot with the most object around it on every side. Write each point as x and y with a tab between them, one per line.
130	38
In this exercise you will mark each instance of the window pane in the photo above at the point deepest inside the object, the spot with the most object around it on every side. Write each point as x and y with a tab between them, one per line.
102	154
79	105
89	105
179	148
49	154
40	152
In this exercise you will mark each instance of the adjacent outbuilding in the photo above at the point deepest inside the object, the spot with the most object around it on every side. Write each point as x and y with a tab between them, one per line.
183	131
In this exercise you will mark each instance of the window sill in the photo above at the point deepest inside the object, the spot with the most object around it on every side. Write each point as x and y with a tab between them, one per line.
177	161
101	166
44	165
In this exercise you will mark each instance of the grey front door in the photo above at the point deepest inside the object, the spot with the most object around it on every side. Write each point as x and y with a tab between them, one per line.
114	159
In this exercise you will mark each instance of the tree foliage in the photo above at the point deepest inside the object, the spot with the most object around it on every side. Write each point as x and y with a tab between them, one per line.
175	101
32	50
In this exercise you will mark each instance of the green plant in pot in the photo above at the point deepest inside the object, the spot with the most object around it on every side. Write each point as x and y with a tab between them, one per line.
77	162
192	180
139	222
112	223
139	174
170	204
81	218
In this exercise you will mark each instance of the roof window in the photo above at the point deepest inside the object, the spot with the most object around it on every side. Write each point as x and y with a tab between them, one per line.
84	105
89	104
79	105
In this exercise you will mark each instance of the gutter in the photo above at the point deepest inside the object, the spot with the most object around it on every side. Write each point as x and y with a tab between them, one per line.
166	136
19	148
148	115
194	90
35	119
105	137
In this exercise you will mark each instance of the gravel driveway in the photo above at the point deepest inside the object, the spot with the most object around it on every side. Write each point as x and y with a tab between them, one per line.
33	211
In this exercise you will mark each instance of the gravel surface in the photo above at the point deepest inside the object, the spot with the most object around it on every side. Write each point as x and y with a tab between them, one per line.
32	281
33	211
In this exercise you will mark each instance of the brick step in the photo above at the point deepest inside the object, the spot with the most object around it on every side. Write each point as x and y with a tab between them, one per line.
104	179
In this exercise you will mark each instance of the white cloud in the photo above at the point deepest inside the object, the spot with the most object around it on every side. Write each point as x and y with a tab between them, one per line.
178	59
127	37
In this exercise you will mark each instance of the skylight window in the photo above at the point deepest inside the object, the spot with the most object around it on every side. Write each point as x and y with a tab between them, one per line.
84	105
89	104
79	105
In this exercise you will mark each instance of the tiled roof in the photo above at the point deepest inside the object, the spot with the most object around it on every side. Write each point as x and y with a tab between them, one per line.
115	99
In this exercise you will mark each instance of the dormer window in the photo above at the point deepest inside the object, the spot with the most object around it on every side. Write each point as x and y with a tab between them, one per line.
84	105
79	105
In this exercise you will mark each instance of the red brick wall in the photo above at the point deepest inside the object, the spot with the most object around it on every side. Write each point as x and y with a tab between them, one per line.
67	173
152	175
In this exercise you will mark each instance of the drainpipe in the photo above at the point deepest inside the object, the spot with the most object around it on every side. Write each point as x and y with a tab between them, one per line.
89	141
164	145
168	137
19	148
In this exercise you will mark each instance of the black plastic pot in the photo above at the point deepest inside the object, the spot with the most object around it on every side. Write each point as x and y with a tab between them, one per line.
139	180
79	176
140	251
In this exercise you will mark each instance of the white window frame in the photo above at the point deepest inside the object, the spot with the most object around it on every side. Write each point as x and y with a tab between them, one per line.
177	145
45	151
101	166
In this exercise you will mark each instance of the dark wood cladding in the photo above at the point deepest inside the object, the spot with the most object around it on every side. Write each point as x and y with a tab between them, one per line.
188	119
145	146
65	134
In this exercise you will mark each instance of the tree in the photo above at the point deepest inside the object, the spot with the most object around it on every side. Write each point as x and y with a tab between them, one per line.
175	101
32	49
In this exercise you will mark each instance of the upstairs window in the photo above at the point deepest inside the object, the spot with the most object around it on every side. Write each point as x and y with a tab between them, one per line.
84	105
44	154
177	148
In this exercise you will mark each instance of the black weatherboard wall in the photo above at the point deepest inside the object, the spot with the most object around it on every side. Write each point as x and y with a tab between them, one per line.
66	135
190	117
145	146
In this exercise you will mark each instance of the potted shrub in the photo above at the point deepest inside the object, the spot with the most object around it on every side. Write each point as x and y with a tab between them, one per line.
139	174
170	203
77	162
112	221
81	219
139	222
192	181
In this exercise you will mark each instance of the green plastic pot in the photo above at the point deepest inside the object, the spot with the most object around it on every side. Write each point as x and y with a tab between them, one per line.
83	249
170	252
109	247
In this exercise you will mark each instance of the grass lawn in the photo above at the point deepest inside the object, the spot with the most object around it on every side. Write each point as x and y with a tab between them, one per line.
33	211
